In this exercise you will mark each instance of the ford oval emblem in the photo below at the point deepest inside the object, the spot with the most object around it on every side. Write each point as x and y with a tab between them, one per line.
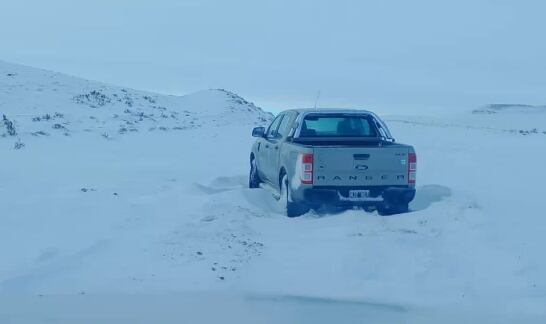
361	167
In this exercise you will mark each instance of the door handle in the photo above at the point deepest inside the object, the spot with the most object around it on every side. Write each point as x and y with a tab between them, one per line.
276	147
266	146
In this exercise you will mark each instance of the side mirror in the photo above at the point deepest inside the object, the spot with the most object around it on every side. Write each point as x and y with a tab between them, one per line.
258	132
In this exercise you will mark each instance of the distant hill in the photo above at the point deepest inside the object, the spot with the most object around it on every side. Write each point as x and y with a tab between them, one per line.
35	102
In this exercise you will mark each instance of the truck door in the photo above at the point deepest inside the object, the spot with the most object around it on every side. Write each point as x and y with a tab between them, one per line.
266	144
272	141
275	143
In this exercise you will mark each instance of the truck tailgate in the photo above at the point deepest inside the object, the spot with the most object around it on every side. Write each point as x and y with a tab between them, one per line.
360	166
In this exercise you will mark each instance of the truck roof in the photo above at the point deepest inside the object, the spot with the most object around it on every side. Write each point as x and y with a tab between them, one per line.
330	110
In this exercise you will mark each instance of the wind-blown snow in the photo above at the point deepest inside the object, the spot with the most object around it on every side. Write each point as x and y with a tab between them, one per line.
158	220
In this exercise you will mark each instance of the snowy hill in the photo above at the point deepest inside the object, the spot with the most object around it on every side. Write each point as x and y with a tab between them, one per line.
507	108
155	224
43	103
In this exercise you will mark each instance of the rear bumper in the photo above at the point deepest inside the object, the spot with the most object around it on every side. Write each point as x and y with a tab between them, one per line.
338	196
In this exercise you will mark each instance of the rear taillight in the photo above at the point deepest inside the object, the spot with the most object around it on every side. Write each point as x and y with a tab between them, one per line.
412	168
307	168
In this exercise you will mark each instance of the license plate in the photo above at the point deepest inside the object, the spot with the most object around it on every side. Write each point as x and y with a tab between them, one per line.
359	194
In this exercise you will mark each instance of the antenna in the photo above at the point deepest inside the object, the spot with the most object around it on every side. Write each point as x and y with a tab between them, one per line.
316	99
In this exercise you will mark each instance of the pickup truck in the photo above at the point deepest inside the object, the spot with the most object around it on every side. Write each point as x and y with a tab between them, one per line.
317	158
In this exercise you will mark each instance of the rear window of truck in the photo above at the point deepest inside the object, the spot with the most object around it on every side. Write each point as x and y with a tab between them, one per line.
337	126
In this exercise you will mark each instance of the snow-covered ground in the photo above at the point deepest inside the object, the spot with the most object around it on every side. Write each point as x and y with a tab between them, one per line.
123	206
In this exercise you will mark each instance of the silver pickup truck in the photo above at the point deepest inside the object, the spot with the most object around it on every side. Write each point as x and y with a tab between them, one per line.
333	157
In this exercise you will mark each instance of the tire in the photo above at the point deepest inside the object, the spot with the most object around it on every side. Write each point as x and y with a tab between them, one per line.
387	210
291	208
253	177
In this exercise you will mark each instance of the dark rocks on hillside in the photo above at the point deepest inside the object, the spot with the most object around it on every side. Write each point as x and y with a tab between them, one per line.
149	99
528	132
264	117
18	145
47	117
93	99
9	126
235	98
97	98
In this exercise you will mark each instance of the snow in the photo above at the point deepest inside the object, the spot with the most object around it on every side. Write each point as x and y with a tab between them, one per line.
158	225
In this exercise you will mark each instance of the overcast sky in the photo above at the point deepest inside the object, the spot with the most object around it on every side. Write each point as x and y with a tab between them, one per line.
280	53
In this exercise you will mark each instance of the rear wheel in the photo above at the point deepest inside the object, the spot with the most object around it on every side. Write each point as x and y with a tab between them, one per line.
291	208
253	178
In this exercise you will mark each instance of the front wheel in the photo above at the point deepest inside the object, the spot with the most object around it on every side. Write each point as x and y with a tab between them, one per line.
291	208
253	178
